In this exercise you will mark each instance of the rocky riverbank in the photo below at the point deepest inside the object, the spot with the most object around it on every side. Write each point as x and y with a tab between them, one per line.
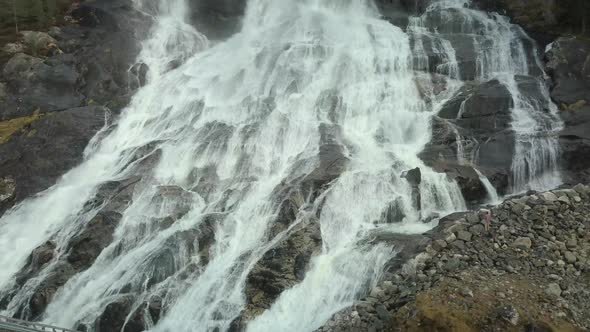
529	271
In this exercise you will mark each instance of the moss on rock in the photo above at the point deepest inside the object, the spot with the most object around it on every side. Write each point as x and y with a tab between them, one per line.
10	127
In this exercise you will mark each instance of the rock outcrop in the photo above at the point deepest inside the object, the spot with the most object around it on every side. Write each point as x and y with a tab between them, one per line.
568	64
58	87
545	20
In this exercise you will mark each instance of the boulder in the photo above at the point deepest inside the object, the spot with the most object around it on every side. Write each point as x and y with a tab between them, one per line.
523	243
477	122
553	290
566	60
217	19
38	43
467	178
394	212
13	48
414	177
114	316
37	85
85	247
490	103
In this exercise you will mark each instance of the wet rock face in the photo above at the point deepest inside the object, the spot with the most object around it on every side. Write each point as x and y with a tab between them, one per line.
568	64
80	253
47	79
398	11
543	19
86	246
38	85
7	190
281	268
114	315
217	19
477	122
35	156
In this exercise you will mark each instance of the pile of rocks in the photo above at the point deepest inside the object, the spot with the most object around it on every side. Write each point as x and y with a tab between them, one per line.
530	268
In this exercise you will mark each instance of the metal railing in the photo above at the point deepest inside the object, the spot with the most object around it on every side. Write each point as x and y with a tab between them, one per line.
8	324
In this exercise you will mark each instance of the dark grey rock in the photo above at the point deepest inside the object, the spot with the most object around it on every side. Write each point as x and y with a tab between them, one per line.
36	157
523	243
464	236
553	289
509	314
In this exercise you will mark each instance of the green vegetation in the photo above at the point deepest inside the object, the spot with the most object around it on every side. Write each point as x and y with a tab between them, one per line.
8	128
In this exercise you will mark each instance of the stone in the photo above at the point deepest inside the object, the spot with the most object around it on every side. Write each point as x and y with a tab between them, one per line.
570	257
523	243
283	266
464	236
548	196
377	293
553	289
581	189
518	208
7	189
439	245
382	312
455	228
451	238
19	65
564	199
571	243
458	244
13	48
39	151
38	43
472	218
452	264
85	247
414	176
466	292
477	229
3	91
37	85
509	314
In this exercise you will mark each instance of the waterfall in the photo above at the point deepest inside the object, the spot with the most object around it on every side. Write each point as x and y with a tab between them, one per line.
505	53
215	146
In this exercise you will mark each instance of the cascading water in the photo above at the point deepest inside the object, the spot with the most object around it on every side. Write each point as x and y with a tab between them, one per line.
504	53
214	141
